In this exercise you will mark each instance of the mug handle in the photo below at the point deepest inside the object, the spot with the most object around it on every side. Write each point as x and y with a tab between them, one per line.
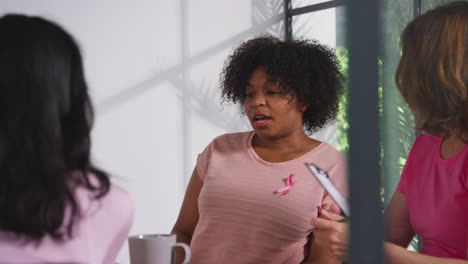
187	251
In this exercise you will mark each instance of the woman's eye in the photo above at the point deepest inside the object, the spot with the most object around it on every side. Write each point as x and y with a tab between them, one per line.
249	95
273	92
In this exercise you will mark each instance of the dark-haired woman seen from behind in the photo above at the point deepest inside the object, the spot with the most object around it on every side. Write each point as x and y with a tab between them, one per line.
55	205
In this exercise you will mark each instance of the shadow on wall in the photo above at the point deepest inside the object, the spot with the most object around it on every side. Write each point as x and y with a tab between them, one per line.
264	20
203	98
267	17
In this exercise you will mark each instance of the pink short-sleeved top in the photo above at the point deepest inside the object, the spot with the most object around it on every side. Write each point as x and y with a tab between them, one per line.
436	192
241	219
98	236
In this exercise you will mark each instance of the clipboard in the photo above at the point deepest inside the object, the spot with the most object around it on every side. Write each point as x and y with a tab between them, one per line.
323	178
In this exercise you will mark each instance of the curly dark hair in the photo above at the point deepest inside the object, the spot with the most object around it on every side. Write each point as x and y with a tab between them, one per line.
307	70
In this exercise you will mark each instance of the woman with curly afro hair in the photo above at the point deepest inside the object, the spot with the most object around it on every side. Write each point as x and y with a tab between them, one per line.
250	198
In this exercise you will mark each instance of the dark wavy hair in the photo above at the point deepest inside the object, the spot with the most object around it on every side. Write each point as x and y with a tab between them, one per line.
432	75
46	118
306	69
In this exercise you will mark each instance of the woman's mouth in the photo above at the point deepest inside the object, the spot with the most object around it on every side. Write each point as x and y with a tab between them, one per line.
261	120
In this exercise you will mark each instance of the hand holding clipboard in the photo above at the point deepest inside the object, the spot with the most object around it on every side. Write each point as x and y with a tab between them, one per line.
323	178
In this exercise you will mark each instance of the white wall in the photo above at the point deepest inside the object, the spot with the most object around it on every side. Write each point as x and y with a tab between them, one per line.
153	68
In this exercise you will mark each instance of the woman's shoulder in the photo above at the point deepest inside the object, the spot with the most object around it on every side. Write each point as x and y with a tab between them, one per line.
232	137
231	141
329	152
119	205
330	159
426	138
425	143
101	228
115	204
120	197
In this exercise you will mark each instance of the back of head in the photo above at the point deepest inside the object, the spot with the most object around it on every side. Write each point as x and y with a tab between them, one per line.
432	75
46	117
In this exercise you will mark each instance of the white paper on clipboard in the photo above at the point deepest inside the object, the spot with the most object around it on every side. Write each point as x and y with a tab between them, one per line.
323	178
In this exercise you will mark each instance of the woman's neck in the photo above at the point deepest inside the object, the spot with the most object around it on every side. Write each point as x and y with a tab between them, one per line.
292	141
451	146
283	148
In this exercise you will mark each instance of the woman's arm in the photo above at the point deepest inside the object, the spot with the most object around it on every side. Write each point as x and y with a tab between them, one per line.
330	235
188	215
330	239
398	226
400	255
400	233
321	253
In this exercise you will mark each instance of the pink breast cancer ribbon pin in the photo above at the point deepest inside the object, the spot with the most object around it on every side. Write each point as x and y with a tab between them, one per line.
289	184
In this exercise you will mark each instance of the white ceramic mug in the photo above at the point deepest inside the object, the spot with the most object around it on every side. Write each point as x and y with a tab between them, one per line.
155	249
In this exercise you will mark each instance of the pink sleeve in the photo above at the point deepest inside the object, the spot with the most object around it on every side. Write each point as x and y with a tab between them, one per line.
402	184
401	187
122	231
203	160
464	176
464	181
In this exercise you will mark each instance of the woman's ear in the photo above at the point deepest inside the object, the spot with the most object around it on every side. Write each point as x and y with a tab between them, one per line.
304	108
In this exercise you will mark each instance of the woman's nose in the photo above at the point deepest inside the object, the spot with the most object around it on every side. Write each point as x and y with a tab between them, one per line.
259	100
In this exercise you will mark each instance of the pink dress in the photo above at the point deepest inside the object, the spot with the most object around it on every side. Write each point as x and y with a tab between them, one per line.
97	239
436	191
242	220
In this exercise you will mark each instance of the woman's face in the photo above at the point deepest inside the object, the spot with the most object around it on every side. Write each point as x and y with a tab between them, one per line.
271	111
